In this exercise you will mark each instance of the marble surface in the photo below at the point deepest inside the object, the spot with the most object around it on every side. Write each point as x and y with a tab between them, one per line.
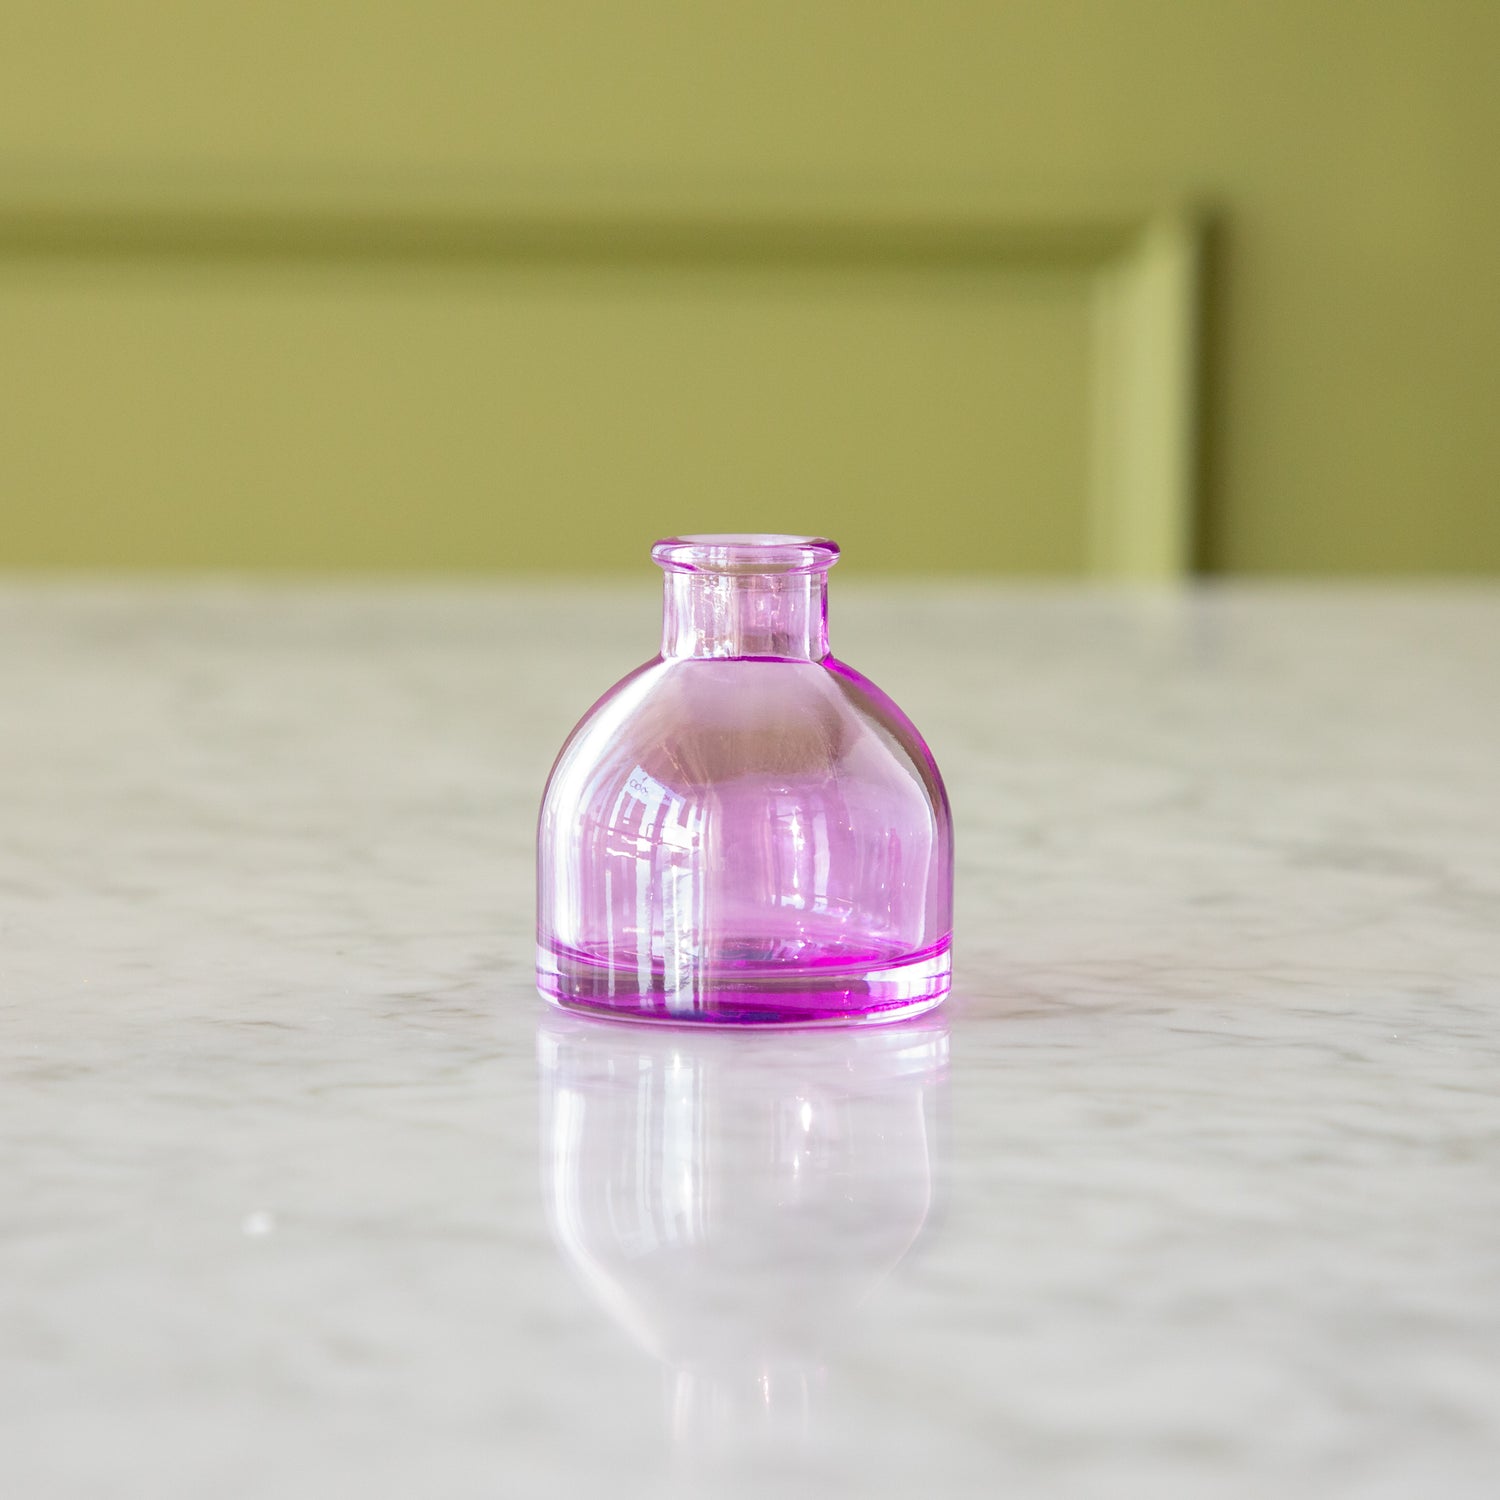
1193	1188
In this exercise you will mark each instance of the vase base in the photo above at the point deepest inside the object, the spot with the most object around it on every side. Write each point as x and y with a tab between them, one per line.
836	994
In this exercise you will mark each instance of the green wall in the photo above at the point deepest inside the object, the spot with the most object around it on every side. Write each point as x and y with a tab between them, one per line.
188	407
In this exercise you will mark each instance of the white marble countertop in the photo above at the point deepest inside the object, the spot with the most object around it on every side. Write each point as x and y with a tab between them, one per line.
1193	1189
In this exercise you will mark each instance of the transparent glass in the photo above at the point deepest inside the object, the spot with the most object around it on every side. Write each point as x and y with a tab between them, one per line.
745	830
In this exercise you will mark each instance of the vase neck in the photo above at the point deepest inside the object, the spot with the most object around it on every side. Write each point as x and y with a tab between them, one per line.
745	596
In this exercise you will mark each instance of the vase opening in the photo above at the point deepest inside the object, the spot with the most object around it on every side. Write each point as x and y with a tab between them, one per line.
745	595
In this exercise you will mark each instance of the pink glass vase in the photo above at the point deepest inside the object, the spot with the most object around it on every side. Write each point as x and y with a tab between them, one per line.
745	830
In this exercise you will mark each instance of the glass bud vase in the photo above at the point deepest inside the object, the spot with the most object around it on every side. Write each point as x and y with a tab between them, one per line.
744	830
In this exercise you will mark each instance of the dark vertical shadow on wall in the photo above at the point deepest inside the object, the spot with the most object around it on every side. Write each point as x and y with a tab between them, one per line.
1208	533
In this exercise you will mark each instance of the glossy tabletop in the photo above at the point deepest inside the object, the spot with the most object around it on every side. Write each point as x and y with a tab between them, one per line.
1192	1188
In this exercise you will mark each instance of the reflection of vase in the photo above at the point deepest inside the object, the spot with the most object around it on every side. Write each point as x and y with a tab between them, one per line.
745	830
731	1200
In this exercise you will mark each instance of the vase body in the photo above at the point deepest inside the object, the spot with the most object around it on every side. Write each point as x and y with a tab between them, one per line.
745	830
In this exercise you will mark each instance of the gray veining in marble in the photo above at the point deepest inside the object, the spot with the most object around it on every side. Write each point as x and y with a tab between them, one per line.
1192	1189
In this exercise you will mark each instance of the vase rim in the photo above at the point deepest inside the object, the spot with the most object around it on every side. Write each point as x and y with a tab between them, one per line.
744	552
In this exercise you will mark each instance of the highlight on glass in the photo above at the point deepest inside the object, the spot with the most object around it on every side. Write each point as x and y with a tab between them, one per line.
745	830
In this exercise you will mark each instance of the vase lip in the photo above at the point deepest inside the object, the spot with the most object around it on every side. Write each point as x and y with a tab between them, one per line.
744	552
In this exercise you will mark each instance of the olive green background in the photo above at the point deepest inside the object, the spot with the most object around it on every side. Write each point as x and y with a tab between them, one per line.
201	364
